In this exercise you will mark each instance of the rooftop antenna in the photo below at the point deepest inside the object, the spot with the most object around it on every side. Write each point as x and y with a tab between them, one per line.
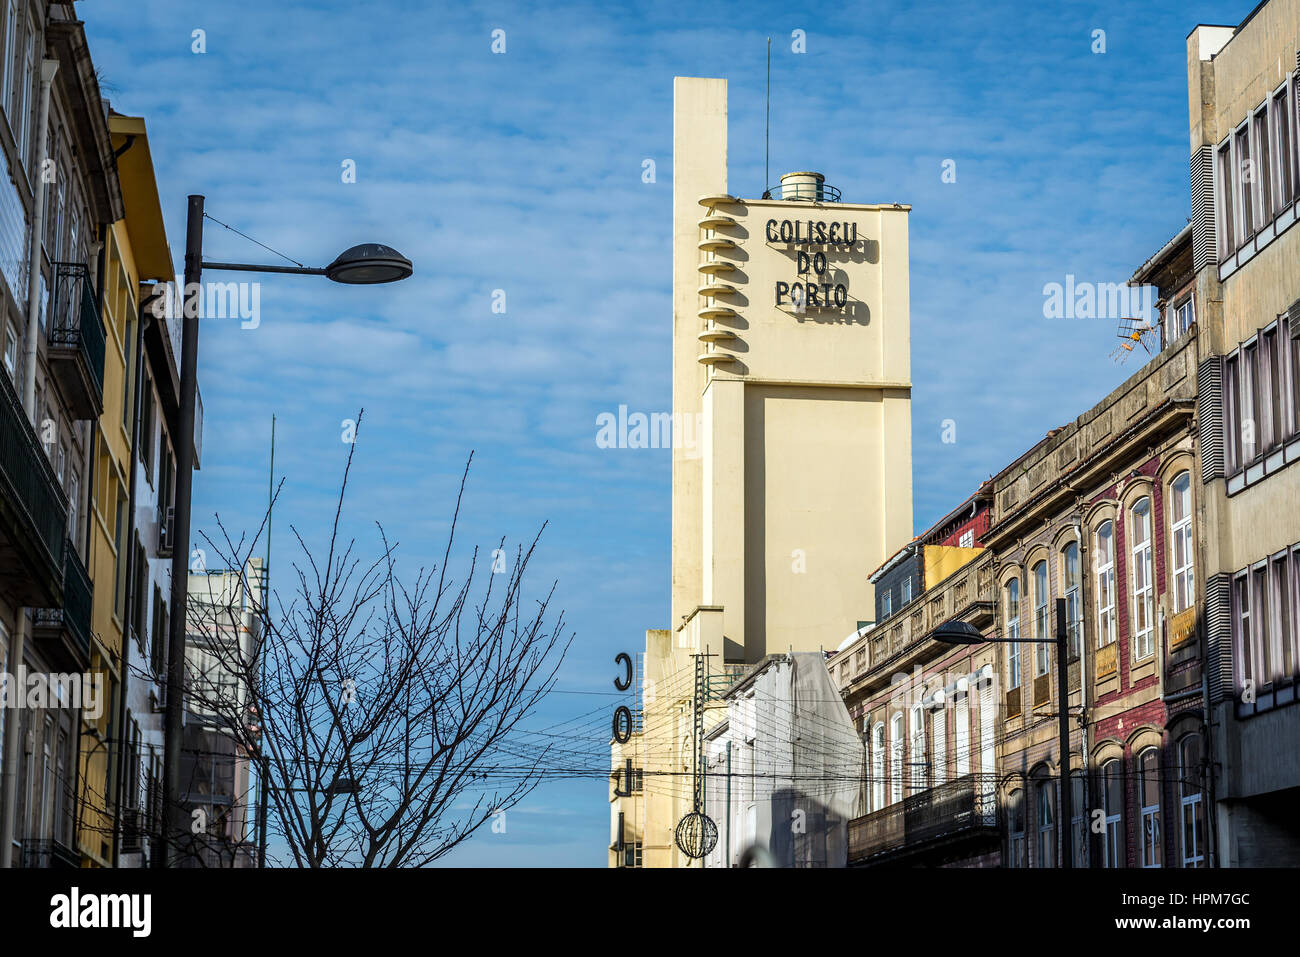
767	126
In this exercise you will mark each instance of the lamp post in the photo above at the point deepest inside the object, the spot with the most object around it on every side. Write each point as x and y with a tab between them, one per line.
361	265
957	632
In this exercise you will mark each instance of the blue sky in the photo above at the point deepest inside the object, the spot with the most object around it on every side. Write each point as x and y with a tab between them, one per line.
522	172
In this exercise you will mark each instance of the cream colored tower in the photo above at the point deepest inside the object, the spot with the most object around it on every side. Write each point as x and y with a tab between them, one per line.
791	369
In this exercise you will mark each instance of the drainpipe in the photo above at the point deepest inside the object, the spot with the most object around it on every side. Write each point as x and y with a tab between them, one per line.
9	783
48	69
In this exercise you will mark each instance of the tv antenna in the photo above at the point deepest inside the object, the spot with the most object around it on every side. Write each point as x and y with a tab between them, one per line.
1132	333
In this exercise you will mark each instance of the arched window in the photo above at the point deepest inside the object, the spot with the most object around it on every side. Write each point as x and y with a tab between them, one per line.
1045	810
878	766
1149	805
1078	820
1112	793
896	758
1041	627
1013	631
1016	828
1143	600
1180	531
1072	581
1191	808
1105	584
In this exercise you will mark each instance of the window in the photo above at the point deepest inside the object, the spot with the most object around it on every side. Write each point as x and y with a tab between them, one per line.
1227	234
11	350
1016	828
1189	800
878	766
1073	619
631	853
1041	629
939	745
1044	800
1112	790
1078	821
1245	189
1149	805
1181	317
917	760
1263	202
907	590
1105	584
1181	547
1013	631
886	600
26	79
1283	150
1143	604
1265	660
1232	413
1243	652
74	502
967	539
961	717
10	52
896	758
1249	401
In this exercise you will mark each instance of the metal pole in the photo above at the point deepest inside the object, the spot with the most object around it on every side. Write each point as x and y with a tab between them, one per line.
1063	697
174	822
261	654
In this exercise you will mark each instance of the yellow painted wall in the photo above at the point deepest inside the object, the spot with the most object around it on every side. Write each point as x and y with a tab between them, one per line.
942	560
106	566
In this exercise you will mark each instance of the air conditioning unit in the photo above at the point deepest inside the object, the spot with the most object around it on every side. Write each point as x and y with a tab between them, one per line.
167	532
1293	319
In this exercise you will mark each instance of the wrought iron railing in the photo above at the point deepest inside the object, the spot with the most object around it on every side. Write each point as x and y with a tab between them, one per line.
956	808
78	601
74	319
49	854
29	484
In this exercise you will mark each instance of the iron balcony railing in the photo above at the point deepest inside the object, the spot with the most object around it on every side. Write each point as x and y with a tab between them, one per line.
34	507
963	806
78	600
74	322
49	854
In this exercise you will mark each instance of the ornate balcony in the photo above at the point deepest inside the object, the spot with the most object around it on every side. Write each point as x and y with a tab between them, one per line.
65	631
76	340
937	817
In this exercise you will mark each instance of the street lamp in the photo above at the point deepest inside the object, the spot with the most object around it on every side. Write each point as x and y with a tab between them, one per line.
365	264
957	632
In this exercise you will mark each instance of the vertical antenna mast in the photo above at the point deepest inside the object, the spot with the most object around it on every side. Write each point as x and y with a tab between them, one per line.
767	124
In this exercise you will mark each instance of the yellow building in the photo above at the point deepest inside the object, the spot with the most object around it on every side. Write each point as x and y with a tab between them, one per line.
135	250
791	412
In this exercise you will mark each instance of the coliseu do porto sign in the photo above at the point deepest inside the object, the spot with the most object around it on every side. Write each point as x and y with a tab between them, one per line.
812	288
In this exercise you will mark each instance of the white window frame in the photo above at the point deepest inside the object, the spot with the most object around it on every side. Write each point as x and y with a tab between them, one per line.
896	747
1284	144
1045	816
1143	589
1073	595
961	734
1042	593
1016	838
1112	837
938	746
878	766
917	777
1189	803
1183	577
1149	814
1011	597
1106	631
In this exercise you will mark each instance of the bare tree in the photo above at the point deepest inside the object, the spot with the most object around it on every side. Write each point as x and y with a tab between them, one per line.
377	713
